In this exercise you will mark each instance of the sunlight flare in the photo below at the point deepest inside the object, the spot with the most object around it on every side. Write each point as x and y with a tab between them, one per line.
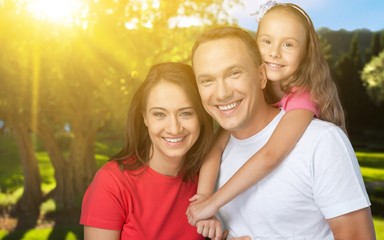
59	11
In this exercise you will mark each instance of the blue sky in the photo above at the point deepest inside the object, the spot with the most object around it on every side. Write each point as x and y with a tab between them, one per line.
334	14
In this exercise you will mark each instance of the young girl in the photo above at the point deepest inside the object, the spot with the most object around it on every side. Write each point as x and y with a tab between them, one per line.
299	80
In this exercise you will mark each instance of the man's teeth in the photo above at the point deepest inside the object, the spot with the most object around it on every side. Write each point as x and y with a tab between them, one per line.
173	140
229	106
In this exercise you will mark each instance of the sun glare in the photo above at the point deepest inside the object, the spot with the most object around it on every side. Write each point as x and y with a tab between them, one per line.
60	11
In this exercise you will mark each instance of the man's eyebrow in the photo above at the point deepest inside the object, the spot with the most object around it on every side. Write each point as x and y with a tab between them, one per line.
203	75
227	69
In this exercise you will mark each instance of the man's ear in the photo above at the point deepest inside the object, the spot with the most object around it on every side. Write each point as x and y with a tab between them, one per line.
262	76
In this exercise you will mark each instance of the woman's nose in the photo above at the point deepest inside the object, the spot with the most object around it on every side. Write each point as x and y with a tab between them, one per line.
174	126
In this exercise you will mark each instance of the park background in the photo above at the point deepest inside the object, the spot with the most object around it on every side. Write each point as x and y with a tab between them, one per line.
68	70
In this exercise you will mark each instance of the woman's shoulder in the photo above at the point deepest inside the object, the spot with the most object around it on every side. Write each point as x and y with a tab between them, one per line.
118	168
109	170
113	165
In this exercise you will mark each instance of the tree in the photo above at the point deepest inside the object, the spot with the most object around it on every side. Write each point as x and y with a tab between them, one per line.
17	109
373	78
376	46
350	87
326	48
81	76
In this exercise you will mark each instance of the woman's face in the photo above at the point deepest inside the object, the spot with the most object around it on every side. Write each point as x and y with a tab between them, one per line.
172	122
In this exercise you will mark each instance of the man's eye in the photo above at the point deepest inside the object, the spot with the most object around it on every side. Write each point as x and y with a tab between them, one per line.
234	74
205	82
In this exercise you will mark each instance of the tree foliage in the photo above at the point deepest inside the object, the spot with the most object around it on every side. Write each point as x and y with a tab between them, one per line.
373	78
82	77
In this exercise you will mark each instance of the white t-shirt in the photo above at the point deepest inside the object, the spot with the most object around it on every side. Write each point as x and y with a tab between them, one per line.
318	180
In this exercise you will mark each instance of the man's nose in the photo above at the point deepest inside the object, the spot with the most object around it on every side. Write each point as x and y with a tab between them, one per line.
223	90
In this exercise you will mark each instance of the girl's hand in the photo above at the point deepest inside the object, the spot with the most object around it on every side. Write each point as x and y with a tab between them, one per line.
225	237
197	197
200	210
210	228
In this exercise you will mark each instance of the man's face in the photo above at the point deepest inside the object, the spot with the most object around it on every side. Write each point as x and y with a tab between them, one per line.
230	84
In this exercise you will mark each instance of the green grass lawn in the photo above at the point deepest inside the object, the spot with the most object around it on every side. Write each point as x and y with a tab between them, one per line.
372	169
11	186
379	228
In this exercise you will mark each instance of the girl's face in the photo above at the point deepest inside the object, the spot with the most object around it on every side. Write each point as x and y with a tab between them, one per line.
281	39
172	122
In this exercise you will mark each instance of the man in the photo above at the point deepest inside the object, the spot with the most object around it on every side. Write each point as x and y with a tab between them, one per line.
307	196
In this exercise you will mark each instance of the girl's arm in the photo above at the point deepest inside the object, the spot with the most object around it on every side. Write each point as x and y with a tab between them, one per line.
210	168
289	130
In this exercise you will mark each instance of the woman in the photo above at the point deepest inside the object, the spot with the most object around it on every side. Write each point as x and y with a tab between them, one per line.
143	191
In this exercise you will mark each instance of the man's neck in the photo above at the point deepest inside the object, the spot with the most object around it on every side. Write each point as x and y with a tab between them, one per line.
263	118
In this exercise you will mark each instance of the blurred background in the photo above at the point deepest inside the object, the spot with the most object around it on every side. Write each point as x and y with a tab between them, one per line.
68	69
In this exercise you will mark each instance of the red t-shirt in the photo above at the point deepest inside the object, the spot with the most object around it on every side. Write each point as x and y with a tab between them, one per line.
142	204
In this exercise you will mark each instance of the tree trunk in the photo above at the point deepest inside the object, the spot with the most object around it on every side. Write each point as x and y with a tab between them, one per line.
82	157
62	193
27	208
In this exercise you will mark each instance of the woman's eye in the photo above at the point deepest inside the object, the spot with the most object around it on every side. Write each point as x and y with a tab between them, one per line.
186	114
158	115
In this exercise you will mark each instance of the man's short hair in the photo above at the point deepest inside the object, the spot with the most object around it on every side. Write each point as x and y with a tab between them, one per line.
230	32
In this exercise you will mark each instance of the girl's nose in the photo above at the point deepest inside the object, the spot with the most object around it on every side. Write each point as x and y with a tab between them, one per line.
274	52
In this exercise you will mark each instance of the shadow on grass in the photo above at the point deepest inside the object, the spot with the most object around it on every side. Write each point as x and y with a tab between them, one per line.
27	219
376	194
66	226
16	234
65	222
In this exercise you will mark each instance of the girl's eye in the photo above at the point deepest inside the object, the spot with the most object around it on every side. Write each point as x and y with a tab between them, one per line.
265	41
288	45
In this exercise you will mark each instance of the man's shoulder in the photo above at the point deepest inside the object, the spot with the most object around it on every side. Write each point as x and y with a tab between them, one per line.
320	125
317	125
321	130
